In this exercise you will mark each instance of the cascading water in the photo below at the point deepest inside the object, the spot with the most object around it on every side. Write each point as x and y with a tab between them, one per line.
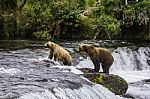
28	74
134	66
127	59
85	92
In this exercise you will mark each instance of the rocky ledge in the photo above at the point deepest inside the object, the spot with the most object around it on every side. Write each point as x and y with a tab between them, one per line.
112	82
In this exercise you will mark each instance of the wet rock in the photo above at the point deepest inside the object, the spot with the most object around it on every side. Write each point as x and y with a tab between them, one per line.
42	80
128	96
112	82
86	70
146	80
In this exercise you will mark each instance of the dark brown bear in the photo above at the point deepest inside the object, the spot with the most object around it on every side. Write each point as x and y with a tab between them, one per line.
98	55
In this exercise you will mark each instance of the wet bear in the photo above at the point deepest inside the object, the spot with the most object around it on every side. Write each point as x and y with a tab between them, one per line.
58	53
98	55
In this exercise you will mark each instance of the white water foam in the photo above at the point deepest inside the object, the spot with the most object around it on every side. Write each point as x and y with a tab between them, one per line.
139	92
85	92
133	76
86	63
131	65
38	95
127	60
72	69
10	71
123	60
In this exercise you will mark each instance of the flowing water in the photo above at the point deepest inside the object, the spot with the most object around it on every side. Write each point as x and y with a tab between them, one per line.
27	73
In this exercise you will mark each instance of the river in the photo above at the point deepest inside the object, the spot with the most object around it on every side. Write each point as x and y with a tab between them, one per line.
27	73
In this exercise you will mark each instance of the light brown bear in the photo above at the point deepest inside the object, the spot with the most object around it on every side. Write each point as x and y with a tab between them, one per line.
58	53
98	55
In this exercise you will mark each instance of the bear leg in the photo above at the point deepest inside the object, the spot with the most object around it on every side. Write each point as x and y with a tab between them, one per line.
105	68
50	56
66	63
55	57
96	66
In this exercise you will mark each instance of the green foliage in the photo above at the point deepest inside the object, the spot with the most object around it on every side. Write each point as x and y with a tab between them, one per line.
89	25
10	26
108	15
42	35
1	25
137	13
136	20
91	2
45	19
8	5
36	17
110	7
108	24
66	13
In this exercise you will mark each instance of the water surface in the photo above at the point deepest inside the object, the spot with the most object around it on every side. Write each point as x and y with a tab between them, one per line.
27	73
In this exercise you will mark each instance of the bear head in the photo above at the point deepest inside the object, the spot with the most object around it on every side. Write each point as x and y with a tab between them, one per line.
84	48
49	45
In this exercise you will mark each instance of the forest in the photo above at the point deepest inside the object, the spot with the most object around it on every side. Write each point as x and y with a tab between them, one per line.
75	19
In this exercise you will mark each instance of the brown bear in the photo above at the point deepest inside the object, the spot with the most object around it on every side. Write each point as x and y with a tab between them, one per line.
58	53
98	55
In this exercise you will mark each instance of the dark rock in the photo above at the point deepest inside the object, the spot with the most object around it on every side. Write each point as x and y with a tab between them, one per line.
113	82
146	80
87	70
128	96
21	78
42	80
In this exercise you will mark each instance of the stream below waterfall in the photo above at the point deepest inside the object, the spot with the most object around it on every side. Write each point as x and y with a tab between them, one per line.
27	73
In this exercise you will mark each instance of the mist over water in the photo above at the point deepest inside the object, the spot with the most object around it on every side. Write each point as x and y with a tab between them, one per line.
27	73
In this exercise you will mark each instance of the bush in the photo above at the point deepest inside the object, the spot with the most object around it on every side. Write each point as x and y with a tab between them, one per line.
43	35
108	25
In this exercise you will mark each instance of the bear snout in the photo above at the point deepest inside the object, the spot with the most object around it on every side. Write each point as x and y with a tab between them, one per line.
45	46
79	49
76	50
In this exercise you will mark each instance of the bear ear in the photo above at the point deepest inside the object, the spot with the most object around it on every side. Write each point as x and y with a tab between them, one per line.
53	44
49	42
81	44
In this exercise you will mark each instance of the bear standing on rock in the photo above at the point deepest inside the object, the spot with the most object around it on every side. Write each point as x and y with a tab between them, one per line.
58	53
98	55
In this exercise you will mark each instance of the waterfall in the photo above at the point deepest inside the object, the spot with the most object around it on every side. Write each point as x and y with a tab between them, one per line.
134	66
127	59
85	92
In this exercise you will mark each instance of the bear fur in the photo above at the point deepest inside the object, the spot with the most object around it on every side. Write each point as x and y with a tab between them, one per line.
58	53
98	55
